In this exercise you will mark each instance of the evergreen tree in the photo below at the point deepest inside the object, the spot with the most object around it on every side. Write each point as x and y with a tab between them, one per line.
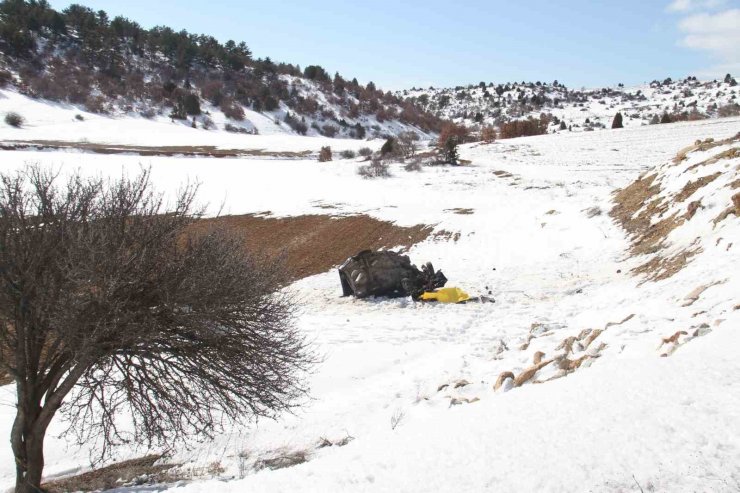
617	122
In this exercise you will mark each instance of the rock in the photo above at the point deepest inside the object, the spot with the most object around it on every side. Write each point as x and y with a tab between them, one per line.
538	357
501	378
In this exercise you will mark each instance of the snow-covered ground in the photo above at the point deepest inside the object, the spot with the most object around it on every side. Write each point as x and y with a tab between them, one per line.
413	384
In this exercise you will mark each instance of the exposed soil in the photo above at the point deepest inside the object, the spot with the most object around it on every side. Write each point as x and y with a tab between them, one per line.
313	244
188	151
131	471
695	185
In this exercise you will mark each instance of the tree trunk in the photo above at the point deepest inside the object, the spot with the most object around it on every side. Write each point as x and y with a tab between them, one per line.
27	440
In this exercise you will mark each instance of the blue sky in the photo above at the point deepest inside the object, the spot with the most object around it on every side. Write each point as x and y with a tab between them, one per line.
399	44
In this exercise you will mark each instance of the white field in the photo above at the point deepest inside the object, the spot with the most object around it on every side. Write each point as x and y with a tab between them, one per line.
625	418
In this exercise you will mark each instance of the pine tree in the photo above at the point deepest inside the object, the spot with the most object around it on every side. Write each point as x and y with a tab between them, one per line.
617	122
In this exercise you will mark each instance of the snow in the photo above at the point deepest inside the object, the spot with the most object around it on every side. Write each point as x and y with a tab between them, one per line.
626	417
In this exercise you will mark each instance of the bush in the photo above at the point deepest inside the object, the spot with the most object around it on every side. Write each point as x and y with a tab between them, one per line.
522	128
233	110
732	109
14	120
5	78
207	123
325	154
348	154
96	104
488	134
413	165
79	117
329	131
365	152
191	104
148	113
238	130
460	132
376	169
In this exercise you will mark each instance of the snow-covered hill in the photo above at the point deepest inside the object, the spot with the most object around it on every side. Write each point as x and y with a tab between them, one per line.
623	376
581	109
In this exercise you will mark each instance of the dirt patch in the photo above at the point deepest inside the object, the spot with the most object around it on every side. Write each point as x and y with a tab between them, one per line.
461	210
695	185
659	268
187	151
630	199
136	471
313	244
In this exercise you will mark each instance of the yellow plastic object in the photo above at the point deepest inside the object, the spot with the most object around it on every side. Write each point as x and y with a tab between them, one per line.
446	295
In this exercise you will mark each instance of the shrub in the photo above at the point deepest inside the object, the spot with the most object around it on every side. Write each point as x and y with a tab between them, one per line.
14	120
407	143
96	104
376	169
325	154
191	104
617	122
207	123
461	133
298	126
732	109
79	117
522	128
148	113
329	130
238	130
365	152
413	165
5	78
389	147
231	109
488	134
348	154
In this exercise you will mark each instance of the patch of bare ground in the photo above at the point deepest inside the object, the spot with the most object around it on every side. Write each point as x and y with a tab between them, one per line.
659	268
136	471
733	209
461	210
704	145
188	151
692	186
313	244
444	235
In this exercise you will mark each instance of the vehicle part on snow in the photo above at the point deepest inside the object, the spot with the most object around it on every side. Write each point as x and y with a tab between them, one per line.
386	273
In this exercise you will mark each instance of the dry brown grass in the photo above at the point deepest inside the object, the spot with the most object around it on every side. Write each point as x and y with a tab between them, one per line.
692	208
703	145
313	244
191	151
695	185
530	372
502	378
659	268
131	471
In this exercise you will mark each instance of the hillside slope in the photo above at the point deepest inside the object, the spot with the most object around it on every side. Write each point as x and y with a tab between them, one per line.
407	399
565	109
115	67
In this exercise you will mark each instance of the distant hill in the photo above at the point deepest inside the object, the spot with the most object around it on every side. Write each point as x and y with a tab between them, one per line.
114	66
554	107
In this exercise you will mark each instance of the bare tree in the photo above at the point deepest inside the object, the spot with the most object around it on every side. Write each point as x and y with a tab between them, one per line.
114	305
